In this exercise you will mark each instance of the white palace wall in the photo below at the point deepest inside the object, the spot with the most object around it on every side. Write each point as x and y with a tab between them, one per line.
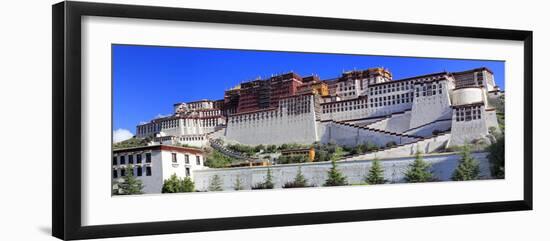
276	130
443	166
434	105
424	146
395	123
348	135
466	131
288	124
428	129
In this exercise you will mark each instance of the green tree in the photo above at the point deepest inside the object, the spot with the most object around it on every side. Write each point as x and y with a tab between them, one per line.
299	180
468	167
216	184
419	170
338	153
238	184
132	142
496	157
267	183
130	185
376	173
271	148
188	185
175	184
216	159
172	184
259	148
335	177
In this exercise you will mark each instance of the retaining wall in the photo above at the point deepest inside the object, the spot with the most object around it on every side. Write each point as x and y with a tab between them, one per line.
443	166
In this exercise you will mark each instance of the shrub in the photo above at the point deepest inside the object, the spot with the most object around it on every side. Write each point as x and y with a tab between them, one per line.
132	142
271	149
292	159
391	144
259	148
188	185
216	159
175	185
496	158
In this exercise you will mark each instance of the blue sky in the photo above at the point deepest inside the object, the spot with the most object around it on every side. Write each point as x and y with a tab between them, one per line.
148	80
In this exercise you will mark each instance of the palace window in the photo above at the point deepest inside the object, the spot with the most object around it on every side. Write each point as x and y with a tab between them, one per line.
174	158
198	160
148	171
468	114
123	172
122	160
130	159
187	172
186	159
139	171
115	173
147	157
138	158
114	160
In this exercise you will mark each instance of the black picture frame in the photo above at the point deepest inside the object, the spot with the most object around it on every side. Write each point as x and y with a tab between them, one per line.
66	75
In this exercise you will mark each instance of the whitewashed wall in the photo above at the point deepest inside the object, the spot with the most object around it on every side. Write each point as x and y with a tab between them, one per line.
466	131
277	130
427	130
427	109
442	167
425	146
352	136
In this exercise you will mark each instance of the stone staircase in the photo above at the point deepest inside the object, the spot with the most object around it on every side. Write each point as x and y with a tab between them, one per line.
424	145
375	130
217	144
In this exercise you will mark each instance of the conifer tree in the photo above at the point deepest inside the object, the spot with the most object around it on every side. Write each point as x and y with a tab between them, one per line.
299	180
215	184
335	177
130	185
376	173
238	184
419	170
268	183
468	167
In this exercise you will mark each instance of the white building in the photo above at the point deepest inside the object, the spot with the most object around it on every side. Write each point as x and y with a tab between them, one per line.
363	106
189	124
154	164
381	110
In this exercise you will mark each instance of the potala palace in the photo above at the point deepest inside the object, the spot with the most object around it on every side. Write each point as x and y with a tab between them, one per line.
359	106
422	113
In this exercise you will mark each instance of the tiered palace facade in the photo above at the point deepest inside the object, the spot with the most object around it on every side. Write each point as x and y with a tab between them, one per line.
423	112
